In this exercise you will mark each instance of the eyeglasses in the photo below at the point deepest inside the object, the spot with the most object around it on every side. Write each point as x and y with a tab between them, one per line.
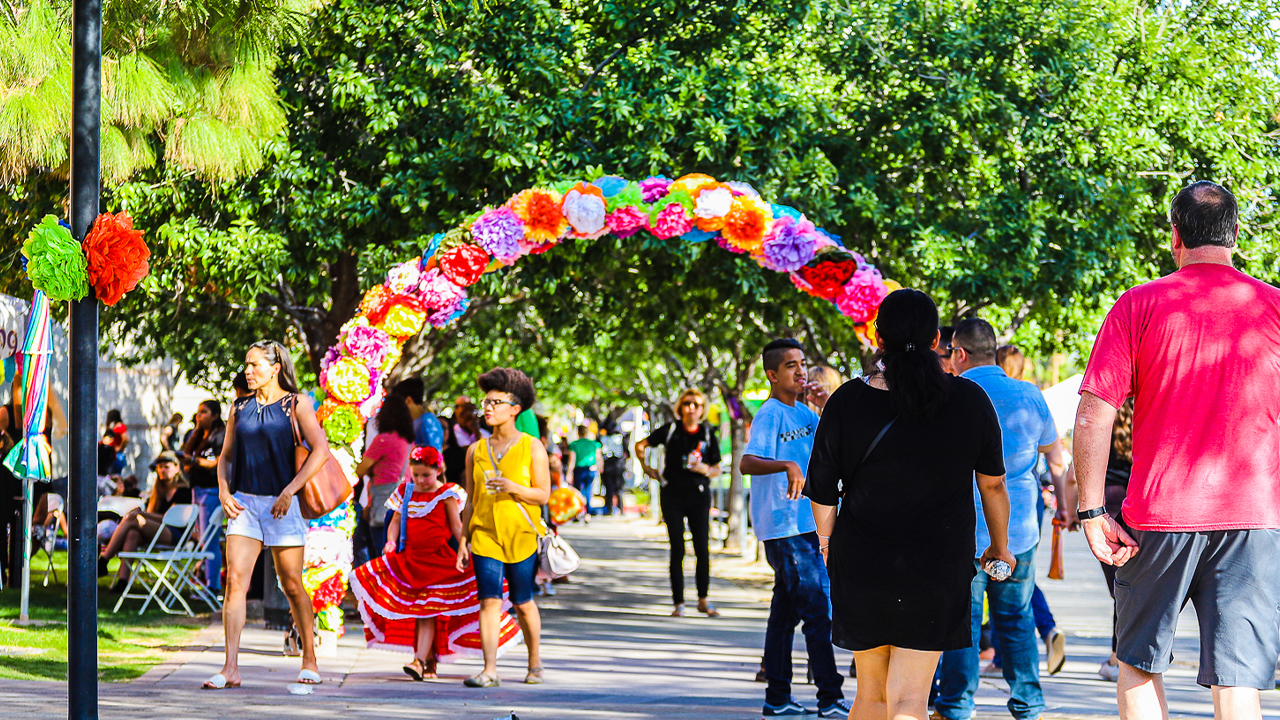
495	402
690	403
952	348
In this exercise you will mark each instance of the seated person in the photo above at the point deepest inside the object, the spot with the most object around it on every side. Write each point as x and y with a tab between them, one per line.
138	527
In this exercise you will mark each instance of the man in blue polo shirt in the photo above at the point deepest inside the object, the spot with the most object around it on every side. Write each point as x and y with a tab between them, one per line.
1028	430
777	458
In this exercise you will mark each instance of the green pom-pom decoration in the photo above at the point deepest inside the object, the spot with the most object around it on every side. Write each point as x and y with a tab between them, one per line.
629	195
55	261
342	426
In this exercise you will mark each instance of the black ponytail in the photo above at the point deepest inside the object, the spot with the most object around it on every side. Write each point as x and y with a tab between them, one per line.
907	325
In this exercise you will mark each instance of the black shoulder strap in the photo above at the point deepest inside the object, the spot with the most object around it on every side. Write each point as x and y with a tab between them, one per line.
874	442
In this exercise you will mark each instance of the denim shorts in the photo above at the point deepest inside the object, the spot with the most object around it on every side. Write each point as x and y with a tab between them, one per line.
1233	579
256	522
520	576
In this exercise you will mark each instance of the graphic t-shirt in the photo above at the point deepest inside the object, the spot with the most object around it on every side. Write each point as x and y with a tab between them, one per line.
1199	351
682	448
584	452
781	432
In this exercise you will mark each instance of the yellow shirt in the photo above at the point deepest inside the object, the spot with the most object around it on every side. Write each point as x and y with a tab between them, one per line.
498	528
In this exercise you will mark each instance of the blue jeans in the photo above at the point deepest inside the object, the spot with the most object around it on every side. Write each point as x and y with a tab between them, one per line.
520	578
208	503
584	479
801	593
1044	623
1011	617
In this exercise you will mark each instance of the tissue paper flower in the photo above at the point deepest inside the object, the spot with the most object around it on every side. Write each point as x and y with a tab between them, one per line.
655	188
348	380
393	359
374	300
691	182
402	277
748	220
369	345
790	244
464	265
539	210
826	278
56	262
713	204
862	296
326	409
626	221
343	425
584	210
435	290
671	221
446	315
116	256
402	320
499	232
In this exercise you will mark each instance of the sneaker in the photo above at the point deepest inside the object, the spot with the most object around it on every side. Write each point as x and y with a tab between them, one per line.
791	708
1107	671
838	709
1055	651
992	670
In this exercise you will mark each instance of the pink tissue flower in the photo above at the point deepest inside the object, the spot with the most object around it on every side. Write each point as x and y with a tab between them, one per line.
369	344
626	221
862	296
672	220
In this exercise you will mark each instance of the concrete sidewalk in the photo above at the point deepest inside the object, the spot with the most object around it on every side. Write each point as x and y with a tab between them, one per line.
610	651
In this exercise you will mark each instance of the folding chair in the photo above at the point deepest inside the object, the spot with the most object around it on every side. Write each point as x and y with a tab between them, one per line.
44	537
159	561
192	561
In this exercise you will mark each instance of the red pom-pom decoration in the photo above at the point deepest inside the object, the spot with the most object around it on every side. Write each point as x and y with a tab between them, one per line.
464	265
117	256
378	314
826	278
428	456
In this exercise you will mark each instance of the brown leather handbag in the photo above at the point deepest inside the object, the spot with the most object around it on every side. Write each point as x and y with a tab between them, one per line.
328	488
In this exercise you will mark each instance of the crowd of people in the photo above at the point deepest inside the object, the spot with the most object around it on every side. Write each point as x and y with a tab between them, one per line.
900	512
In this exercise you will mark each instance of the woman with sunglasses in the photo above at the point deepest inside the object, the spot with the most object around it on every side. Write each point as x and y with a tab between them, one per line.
692	459
508	482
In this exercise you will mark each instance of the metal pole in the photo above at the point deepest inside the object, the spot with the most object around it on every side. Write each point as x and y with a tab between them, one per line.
82	587
24	603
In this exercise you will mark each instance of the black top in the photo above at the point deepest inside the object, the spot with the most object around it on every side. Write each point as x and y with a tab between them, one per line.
209	449
181	496
901	558
680	444
264	446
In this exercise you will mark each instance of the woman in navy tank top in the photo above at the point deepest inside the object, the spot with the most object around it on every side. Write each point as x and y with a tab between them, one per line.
258	489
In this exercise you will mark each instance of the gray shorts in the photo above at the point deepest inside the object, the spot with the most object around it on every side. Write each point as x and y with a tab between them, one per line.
1233	579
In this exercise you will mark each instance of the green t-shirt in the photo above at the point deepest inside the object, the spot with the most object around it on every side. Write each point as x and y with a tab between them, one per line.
584	452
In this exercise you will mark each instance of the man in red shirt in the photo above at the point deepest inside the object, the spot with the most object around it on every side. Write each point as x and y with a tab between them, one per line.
1199	351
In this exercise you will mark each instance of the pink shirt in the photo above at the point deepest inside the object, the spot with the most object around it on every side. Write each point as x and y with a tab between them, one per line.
1199	351
389	451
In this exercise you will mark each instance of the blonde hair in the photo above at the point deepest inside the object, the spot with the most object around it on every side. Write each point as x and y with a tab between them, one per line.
826	376
1011	360
692	393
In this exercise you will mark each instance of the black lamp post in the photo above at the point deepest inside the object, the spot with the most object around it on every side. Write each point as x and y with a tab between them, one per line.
82	587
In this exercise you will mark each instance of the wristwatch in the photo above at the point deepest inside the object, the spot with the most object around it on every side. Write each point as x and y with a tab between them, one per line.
1090	514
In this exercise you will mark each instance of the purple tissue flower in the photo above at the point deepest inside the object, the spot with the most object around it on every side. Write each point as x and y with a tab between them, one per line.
655	188
790	244
499	232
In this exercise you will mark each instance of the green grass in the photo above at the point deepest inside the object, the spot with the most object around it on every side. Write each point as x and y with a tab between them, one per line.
129	644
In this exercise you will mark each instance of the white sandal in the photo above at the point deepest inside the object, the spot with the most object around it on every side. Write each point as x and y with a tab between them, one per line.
218	682
309	677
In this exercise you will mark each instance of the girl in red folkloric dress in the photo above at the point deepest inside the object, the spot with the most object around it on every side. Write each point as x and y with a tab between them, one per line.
418	597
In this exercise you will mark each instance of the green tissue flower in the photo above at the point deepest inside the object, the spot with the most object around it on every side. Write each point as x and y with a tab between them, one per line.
630	195
342	426
55	261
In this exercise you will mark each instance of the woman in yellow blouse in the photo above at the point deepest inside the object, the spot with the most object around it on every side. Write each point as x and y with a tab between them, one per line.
508	482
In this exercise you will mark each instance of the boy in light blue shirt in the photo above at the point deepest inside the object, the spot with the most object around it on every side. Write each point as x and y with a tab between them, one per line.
777	457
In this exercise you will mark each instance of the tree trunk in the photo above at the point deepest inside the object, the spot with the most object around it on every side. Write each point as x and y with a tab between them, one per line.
344	296
737	493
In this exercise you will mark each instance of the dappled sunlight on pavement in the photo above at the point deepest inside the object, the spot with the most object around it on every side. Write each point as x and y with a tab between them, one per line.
610	651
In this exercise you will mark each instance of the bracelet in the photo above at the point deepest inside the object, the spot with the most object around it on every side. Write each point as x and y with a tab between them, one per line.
825	537
823	547
1090	514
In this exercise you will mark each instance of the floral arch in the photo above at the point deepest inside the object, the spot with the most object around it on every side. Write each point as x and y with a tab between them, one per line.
696	208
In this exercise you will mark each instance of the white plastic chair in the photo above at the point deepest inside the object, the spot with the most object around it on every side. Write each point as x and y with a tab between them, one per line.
45	537
187	573
119	506
160	561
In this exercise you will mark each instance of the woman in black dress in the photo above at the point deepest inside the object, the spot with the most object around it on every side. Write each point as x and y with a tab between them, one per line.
900	552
